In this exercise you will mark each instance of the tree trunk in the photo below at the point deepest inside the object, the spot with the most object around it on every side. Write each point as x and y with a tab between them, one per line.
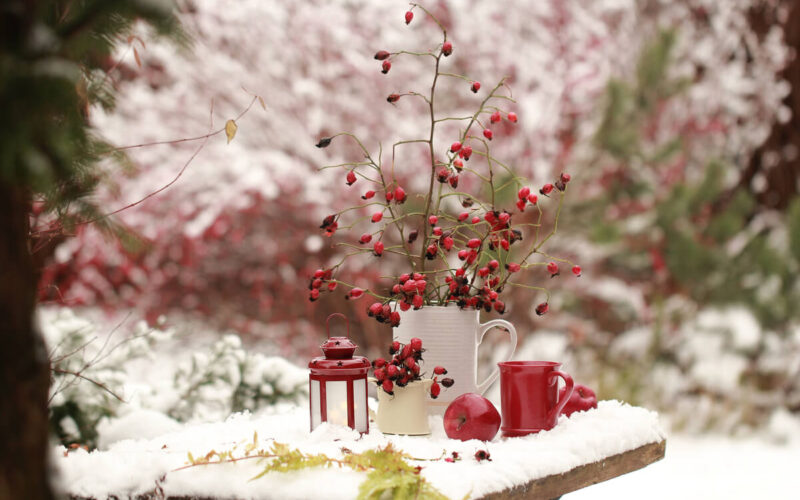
24	370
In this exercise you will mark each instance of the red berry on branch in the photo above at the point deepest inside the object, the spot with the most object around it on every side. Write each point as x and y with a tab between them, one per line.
476	86
442	175
512	117
393	98
521	205
533	199
388	387
409	16
504	218
462	254
483	272
365	238
430	252
453	180
417	301
377	216
447	242
439	370
316	283
351	178
504	244
379	363
377	248
399	195
513	267
455	147
433	219
499	306
380	374
488	134
410	362
355	293
410	286
476	219
493	264
382	54
552	268
387	65
463	216
375	309
495	117
437	231
416	344
565	178
482	455
542	309
319	273
313	295
458	164
576	270
389	196
523	193
546	189
466	152
435	390
447	48
474	243
332	286
368	195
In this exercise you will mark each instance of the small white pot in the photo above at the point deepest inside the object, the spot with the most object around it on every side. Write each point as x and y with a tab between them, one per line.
405	412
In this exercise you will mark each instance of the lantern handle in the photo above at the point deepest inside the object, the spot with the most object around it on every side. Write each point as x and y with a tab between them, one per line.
328	323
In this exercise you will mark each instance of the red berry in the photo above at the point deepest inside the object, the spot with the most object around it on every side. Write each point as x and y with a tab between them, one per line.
499	306
435	390
409	16
513	267
416	344
447	243
313	295
504	244
377	216
458	165
406	351
546	189
495	117
404	306
351	178
476	219
488	134
365	238
542	308
404	277
453	181
394	318
399	195
417	301
493	264
521	205
437	231
368	195
319	273
380	374
410	363
377	248
576	270
447	48
382	54
483	272
332	286
474	243
533	199
388	386
455	147
430	252
504	218
476	86
552	268
393	98
355	293
387	65
433	219
565	178
392	371
462	254
442	175
418	276
467	152
512	117
463	216
523	193
410	286
440	370
389	196
375	309
379	363
316	283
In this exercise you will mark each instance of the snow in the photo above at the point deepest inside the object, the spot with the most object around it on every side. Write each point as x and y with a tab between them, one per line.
132	467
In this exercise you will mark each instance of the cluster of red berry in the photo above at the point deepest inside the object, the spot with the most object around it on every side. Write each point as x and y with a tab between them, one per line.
481	236
404	368
320	281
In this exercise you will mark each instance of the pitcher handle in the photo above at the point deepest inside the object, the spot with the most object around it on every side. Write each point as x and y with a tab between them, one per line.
482	329
556	411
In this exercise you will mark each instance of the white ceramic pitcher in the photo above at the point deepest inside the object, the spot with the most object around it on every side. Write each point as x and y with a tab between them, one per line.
450	337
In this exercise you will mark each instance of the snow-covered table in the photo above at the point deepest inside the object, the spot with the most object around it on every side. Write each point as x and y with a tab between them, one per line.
582	450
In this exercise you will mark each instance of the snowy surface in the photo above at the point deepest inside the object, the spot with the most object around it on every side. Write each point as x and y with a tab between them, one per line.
131	467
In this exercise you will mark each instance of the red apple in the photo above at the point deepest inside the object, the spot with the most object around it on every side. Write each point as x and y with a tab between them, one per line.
471	416
582	398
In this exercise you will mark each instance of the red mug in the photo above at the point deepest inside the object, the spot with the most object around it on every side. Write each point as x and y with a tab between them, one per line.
529	396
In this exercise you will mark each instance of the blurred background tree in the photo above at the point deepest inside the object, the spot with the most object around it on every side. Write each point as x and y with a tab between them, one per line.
54	56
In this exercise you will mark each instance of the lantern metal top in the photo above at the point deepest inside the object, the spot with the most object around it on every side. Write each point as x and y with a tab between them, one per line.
339	357
338	347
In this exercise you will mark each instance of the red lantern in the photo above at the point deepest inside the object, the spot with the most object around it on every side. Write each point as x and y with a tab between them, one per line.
338	384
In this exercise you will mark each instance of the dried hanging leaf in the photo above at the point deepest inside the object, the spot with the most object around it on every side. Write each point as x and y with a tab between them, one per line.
230	130
261	100
136	56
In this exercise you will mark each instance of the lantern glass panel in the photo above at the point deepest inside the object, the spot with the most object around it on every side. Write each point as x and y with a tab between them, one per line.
360	404
316	417
336	398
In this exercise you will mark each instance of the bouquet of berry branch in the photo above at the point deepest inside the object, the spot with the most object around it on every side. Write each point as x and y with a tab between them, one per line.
459	249
404	367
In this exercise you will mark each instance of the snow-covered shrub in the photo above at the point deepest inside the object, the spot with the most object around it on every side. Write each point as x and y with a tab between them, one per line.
88	370
228	379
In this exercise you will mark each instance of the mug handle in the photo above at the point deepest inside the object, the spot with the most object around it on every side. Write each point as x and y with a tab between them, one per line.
482	329
556	411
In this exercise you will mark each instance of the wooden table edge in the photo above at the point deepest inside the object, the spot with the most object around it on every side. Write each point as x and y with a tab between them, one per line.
555	485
